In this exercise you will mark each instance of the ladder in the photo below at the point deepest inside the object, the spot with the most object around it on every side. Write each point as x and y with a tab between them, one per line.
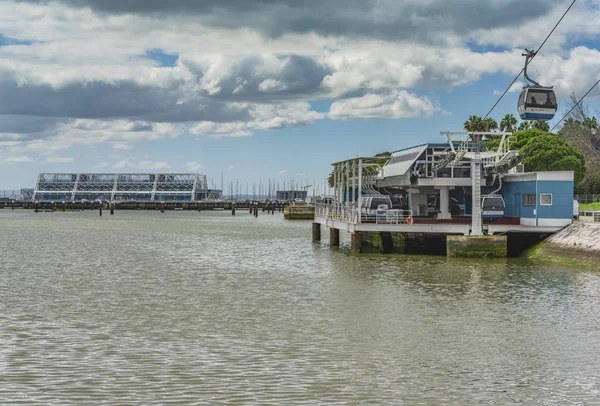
461	151
476	226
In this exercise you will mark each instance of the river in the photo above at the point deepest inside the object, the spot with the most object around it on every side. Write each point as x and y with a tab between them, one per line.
205	308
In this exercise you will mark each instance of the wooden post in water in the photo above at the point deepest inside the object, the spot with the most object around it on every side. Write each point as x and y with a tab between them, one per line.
35	205
233	209
100	209
63	206
162	207
256	209
112	208
12	204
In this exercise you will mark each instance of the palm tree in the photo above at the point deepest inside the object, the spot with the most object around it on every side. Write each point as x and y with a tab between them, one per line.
490	124
475	124
508	123
525	125
591	123
541	125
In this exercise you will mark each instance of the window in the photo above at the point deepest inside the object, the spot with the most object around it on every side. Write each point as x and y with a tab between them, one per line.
403	158
529	199
546	199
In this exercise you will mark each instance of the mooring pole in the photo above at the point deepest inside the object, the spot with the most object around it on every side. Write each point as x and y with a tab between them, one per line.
112	208
233	209
100	209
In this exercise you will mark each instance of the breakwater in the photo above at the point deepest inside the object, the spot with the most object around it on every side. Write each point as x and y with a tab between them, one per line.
578	243
141	205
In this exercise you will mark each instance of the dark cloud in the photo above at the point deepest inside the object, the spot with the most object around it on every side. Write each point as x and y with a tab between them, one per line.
99	100
127	99
391	19
20	124
249	79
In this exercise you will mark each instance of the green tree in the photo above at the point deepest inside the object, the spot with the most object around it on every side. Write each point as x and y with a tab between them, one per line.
544	151
525	125
490	124
508	123
541	125
371	169
478	124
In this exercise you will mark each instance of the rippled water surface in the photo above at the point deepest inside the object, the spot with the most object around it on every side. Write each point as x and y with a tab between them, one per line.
206	308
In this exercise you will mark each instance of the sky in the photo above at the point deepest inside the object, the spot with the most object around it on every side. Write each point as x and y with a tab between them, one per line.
266	89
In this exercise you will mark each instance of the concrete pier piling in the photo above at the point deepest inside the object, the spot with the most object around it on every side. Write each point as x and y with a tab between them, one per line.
316	232
334	237
355	243
476	246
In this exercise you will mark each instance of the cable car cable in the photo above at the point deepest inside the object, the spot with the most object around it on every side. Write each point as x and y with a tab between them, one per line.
575	105
536	52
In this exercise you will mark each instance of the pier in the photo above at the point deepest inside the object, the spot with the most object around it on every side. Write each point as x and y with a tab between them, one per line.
456	195
78	205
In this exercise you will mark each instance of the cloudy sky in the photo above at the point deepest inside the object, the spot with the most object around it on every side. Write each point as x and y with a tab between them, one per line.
265	89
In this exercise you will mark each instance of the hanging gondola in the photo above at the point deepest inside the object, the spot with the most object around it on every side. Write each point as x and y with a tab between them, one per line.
492	206
536	102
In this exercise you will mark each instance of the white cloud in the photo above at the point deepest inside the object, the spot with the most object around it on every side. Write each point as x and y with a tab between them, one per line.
102	165
400	104
193	166
19	159
283	172
261	74
59	160
230	167
261	117
144	164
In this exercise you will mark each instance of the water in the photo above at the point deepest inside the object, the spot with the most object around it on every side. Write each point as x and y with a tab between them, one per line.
205	308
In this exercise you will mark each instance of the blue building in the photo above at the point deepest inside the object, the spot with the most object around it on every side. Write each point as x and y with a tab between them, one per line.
543	199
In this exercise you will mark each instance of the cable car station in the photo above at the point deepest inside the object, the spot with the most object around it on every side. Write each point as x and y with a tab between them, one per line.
454	188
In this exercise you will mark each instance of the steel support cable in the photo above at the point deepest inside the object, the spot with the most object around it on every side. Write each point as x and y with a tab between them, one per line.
536	52
575	105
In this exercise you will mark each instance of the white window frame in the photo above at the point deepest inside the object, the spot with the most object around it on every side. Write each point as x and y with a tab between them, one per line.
544	195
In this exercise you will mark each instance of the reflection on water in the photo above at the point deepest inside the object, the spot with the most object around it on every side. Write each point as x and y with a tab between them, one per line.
206	308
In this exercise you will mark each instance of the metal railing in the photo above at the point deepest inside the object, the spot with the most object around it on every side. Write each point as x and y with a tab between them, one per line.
352	214
590	215
587	199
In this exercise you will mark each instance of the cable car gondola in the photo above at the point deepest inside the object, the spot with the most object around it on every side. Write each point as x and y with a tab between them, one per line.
536	102
492	206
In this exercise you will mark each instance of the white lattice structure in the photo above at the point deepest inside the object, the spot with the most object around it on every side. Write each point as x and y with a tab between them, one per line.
122	186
